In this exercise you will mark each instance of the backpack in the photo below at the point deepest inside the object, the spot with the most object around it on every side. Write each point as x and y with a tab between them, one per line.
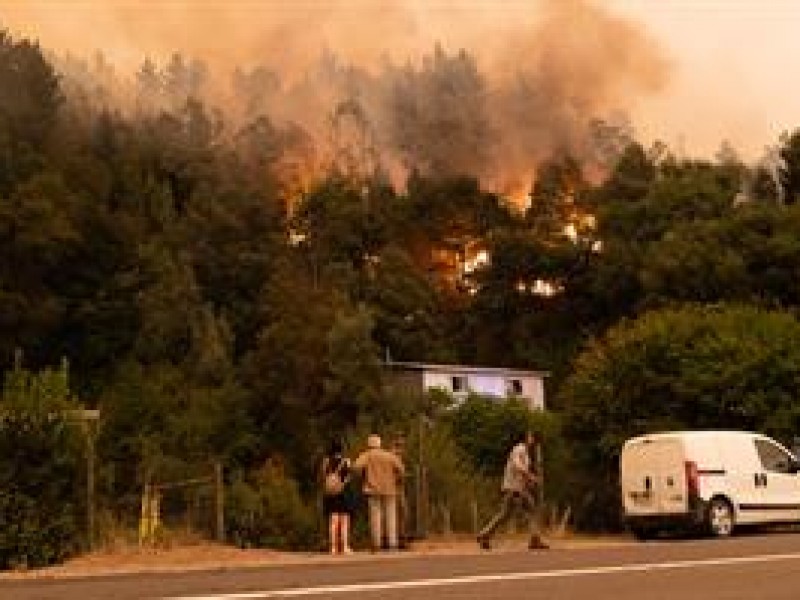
333	482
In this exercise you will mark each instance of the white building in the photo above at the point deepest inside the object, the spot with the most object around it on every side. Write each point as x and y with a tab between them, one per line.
461	380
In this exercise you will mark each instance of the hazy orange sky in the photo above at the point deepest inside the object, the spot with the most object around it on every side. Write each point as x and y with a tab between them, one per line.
733	70
731	61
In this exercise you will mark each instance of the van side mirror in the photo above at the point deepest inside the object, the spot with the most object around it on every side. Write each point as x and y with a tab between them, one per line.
794	466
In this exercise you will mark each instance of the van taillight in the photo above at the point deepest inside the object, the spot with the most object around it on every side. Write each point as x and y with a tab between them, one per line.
692	487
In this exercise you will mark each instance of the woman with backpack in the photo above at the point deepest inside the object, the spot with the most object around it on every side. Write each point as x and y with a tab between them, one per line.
337	501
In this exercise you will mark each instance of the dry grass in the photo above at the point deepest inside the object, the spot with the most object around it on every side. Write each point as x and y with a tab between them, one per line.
122	558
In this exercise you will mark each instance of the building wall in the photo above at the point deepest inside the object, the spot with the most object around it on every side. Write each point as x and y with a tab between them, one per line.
533	389
492	384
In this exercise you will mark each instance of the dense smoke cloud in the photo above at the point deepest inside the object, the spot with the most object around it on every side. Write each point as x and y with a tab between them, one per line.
483	88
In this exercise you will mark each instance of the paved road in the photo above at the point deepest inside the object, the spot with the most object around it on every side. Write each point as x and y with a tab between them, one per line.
762	567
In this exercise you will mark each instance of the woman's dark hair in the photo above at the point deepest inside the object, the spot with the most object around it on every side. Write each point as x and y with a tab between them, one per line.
335	448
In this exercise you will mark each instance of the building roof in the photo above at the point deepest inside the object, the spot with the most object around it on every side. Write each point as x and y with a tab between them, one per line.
464	369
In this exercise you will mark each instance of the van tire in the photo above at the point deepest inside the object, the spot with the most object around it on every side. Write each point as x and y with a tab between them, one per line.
643	534
719	517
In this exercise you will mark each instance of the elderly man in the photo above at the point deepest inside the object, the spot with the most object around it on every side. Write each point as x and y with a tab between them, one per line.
382	472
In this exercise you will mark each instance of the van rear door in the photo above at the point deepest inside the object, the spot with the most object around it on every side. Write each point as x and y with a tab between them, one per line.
653	476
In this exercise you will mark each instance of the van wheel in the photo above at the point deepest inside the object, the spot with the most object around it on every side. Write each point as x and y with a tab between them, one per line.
643	534
720	518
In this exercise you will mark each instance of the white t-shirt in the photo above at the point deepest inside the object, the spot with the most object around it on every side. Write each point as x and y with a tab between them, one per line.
516	475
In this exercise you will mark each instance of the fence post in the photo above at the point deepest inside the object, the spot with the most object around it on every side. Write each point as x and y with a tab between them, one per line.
90	508
219	497
144	517
475	524
539	466
419	517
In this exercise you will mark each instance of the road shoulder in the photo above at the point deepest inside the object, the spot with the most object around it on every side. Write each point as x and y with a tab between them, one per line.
209	557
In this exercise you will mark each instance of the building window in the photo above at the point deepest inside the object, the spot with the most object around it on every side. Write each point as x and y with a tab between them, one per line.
459	383
514	387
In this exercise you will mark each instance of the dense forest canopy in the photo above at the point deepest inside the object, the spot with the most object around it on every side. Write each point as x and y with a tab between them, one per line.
225	284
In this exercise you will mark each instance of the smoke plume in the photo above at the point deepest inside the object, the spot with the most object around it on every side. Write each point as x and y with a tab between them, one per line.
486	88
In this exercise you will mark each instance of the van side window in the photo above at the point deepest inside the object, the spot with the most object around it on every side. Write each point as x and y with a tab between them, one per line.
773	459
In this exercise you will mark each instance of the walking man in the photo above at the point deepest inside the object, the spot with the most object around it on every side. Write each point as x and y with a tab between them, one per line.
517	490
382	473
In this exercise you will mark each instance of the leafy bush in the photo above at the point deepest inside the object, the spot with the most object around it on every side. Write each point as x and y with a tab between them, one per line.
269	512
472	446
40	469
486	429
695	367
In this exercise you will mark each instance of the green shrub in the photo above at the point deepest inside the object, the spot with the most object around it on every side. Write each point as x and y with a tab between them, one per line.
486	429
687	367
40	469
269	512
39	507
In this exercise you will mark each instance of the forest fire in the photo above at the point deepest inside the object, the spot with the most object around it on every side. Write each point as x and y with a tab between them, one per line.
500	109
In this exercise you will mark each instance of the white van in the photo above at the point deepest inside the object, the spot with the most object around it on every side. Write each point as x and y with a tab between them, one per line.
713	480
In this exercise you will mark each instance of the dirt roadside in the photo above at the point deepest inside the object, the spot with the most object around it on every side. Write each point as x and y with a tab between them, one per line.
198	557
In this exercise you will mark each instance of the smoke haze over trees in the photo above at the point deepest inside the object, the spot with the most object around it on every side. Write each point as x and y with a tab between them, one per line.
493	102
